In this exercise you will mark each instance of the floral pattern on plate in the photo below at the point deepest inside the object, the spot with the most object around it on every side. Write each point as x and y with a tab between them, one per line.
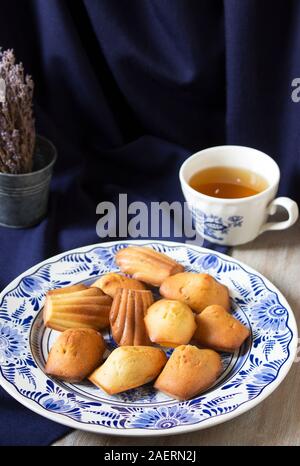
248	376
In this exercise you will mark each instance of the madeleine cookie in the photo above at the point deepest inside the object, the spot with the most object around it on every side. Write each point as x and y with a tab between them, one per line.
188	372
75	354
170	323
127	317
67	289
129	367
110	283
218	329
146	264
88	307
197	290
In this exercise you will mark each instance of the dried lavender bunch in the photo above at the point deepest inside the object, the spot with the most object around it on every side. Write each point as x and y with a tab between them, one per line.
17	130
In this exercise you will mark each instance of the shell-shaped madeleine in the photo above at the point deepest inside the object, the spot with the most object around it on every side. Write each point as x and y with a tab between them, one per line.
219	330
188	372
197	290
88	308
170	323
75	354
129	367
111	282
127	317
68	289
147	265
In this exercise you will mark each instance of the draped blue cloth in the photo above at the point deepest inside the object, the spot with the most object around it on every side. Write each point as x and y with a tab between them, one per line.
126	90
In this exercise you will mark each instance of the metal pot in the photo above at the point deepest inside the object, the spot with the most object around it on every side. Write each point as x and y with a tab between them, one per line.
24	197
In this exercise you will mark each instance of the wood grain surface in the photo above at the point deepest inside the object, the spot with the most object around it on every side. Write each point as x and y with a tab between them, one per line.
276	421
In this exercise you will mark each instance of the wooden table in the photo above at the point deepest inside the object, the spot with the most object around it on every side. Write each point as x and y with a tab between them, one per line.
276	421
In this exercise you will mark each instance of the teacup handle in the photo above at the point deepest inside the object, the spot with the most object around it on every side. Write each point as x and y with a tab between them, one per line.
292	209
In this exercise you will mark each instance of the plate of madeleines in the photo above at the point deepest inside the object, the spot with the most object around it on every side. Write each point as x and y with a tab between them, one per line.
143	338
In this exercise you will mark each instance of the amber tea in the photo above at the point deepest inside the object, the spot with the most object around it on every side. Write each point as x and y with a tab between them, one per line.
228	182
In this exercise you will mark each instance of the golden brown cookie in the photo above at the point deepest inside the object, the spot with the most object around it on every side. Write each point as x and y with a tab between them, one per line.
170	323
218	329
197	290
188	372
67	289
75	354
129	367
147	265
111	282
88	307
127	317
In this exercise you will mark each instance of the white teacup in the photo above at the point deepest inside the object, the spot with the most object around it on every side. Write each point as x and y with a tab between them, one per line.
235	221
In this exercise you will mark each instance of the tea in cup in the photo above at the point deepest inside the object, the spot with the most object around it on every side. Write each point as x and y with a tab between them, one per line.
231	191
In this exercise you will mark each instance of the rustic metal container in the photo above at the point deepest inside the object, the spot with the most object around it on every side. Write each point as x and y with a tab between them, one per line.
24	197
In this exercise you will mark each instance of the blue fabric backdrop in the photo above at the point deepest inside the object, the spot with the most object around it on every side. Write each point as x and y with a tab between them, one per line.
127	89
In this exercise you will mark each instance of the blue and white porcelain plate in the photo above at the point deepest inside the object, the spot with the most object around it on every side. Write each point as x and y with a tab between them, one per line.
249	375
